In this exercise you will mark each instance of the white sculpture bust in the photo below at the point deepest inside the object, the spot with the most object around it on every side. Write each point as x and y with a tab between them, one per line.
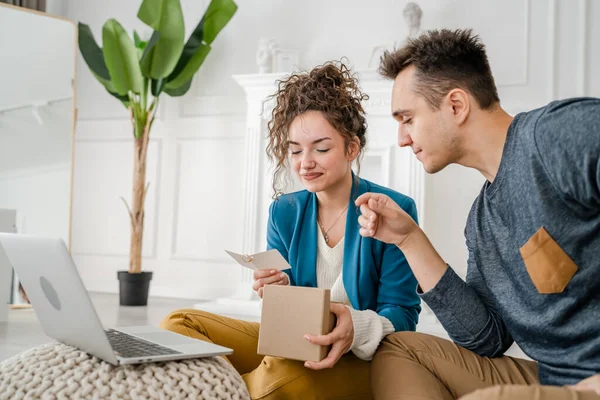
412	16
264	56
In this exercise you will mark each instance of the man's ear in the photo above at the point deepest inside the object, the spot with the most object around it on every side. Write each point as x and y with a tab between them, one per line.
353	148
460	104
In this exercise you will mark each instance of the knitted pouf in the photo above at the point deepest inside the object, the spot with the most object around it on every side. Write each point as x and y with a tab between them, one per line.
56	371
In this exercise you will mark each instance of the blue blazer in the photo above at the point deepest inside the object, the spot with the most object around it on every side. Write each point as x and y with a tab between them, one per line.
376	275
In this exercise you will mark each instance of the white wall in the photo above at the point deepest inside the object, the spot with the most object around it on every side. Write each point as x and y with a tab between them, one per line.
539	50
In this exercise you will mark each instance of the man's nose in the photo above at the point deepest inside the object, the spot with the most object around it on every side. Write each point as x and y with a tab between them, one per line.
403	137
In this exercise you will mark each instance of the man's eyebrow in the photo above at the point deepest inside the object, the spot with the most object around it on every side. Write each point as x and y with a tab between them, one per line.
400	112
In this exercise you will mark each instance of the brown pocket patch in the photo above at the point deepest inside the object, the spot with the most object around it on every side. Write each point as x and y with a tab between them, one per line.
549	267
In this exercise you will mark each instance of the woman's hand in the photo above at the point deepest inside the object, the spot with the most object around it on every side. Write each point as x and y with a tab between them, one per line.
340	338
383	219
591	384
264	277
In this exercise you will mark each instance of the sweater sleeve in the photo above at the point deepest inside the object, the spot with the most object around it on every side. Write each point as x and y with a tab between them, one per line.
467	312
369	330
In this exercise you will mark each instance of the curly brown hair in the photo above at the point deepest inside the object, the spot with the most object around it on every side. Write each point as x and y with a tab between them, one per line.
330	88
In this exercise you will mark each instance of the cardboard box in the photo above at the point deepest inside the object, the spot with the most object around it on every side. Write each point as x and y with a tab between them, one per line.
289	313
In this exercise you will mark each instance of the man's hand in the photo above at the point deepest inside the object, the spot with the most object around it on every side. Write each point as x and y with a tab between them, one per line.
264	277
591	384
341	338
383	219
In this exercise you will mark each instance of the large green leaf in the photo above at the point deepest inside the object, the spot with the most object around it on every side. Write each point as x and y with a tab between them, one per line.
110	88
139	43
217	15
122	99
180	91
121	58
91	52
165	17
191	47
190	68
157	86
148	48
94	58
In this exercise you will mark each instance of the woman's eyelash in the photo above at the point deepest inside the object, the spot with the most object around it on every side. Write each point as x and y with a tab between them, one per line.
318	150
408	121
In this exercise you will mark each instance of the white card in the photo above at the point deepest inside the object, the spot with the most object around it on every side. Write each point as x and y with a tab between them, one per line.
270	259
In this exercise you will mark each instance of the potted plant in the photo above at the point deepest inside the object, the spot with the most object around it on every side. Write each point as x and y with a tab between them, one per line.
137	73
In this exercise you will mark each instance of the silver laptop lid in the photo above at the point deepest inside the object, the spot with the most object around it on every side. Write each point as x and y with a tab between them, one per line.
56	292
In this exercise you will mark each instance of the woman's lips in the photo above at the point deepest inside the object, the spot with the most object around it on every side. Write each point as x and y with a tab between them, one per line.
311	176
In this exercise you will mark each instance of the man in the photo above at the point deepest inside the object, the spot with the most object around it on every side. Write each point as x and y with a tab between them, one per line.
533	235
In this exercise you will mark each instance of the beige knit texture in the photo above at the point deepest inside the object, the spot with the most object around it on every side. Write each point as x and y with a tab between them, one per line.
57	371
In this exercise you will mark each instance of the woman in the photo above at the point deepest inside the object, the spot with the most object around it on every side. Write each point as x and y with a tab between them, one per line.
318	129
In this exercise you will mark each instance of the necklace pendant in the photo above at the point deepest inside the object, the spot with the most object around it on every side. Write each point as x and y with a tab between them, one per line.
326	236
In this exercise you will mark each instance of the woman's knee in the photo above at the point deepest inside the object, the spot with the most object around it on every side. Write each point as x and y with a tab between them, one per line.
180	321
270	378
172	319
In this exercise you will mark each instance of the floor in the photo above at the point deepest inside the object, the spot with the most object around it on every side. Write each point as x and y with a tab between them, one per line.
23	331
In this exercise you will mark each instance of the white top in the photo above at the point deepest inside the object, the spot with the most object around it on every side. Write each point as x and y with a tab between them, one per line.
369	327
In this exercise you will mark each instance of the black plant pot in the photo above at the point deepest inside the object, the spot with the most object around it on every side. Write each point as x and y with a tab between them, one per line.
133	288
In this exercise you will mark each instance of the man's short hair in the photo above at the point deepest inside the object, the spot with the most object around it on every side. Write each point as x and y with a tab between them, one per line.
444	60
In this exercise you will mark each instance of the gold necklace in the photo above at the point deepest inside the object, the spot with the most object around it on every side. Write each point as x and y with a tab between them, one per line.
326	232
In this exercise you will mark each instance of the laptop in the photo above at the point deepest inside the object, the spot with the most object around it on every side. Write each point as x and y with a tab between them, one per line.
65	311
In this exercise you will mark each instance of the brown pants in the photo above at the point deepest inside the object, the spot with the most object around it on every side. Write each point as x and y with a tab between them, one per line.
272	377
411	365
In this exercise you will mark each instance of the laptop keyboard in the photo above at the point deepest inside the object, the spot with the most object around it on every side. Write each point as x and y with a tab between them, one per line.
129	346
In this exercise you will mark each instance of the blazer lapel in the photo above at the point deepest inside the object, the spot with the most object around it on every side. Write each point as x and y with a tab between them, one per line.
307	249
352	244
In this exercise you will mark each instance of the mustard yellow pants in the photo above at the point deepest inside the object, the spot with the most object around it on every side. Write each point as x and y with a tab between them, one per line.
272	377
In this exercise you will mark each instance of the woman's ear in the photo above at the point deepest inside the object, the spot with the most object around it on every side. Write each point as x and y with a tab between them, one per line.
353	148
